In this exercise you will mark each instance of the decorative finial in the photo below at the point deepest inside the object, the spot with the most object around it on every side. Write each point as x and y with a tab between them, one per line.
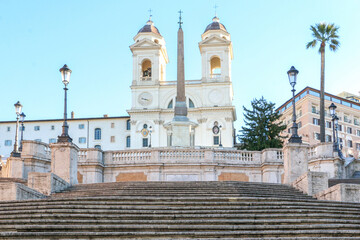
215	7
150	14
180	22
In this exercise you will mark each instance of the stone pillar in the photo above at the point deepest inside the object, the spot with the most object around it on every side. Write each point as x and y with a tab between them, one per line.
15	167
295	161
64	160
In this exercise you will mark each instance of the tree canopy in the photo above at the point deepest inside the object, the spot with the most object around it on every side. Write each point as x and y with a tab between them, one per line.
262	127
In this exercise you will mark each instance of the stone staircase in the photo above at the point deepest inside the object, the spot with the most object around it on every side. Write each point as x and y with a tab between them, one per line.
179	210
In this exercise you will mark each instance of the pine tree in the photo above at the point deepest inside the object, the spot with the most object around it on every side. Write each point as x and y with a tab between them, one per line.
262	128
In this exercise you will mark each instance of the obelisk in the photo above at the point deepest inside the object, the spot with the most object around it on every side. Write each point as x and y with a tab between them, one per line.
181	131
180	103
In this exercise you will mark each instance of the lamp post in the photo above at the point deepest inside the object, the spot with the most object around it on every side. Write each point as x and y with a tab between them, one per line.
292	74
220	127
22	118
334	120
65	75
150	131
15	152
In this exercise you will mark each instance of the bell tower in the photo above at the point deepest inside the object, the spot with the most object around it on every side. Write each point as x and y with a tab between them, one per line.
149	56
216	53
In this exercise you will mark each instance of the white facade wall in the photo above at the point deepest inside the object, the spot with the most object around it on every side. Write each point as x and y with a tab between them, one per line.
51	129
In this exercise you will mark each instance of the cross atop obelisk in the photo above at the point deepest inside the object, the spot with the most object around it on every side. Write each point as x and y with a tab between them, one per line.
180	105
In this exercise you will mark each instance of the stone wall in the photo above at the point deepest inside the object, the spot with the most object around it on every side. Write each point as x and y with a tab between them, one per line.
46	183
341	192
17	191
311	182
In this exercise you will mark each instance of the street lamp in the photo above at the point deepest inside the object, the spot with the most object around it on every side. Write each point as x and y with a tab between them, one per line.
334	120
292	74
150	131
65	75
220	127
15	152
22	118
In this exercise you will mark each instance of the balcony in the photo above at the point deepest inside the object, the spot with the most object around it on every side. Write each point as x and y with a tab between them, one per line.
215	76
145	78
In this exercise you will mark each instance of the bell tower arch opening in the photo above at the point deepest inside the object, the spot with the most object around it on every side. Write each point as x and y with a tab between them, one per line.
146	70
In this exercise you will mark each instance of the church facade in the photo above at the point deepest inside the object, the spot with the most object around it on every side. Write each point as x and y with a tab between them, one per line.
209	101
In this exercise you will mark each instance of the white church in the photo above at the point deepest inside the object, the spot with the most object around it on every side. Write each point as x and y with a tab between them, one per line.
209	101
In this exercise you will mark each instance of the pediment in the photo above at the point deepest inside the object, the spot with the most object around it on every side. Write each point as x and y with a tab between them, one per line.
214	40
145	43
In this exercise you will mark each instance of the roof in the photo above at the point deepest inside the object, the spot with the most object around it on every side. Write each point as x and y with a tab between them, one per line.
215	25
341	100
69	119
149	27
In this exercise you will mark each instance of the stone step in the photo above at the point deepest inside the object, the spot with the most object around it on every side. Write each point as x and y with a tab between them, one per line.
152	208
314	234
164	228
176	221
106	215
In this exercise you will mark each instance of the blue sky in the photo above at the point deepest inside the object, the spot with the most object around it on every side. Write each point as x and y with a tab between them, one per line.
93	38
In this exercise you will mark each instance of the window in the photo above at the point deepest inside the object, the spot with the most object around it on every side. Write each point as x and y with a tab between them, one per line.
340	127
8	142
349	143
328	138
313	110
328	124
112	139
191	103
52	127
146	69
81	126
356	121
145	142
170	105
82	139
299	125
37	128
52	140
97	135
317	136
38	140
349	130
358	132
358	146
97	146
112	125
128	141
8	129
216	140
215	66
128	125
316	121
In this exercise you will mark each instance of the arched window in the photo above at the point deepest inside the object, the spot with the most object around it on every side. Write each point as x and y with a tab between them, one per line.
97	135
128	125
128	139
146	69
97	146
215	66
170	105
191	103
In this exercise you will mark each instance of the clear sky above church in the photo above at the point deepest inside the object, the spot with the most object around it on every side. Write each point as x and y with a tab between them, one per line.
93	38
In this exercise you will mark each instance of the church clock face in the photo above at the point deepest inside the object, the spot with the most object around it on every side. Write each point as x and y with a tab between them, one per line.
145	98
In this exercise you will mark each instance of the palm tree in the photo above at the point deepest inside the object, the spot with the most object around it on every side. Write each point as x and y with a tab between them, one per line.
324	34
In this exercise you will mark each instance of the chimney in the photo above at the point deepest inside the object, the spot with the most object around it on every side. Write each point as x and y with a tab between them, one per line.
105	115
72	115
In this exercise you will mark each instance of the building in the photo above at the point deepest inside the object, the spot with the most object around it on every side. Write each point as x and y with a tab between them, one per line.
209	101
308	118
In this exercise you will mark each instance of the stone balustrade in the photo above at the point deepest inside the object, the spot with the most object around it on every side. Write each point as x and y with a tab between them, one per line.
35	149
190	155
